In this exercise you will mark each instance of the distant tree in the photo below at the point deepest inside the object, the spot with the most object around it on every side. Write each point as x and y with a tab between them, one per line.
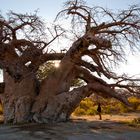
98	33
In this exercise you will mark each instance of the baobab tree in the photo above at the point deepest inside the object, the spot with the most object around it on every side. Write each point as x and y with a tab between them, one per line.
99	34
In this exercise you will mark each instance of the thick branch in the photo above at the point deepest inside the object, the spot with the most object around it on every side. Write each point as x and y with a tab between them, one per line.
44	58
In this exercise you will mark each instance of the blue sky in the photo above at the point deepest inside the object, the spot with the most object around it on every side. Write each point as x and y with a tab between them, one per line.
49	8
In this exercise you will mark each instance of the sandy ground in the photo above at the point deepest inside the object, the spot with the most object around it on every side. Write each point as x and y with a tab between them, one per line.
116	118
78	128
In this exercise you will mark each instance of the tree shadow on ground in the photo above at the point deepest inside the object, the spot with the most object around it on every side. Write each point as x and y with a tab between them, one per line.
75	129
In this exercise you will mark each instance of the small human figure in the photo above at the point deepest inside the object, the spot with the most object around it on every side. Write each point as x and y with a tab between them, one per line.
99	111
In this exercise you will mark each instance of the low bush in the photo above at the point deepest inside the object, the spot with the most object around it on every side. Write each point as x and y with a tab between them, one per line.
85	108
135	102
79	111
91	111
88	106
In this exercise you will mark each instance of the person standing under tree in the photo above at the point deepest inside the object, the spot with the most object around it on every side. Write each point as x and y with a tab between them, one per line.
99	110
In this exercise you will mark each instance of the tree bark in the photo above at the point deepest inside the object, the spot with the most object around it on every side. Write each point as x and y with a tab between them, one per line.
25	100
52	101
18	98
52	98
60	107
22	103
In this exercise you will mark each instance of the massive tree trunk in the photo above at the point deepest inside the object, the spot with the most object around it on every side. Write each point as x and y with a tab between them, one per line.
18	98
26	99
55	102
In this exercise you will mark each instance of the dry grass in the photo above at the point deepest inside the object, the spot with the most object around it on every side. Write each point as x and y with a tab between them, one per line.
117	118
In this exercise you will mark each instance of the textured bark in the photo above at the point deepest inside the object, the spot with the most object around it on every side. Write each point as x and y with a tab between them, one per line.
22	104
60	107
18	98
50	90
52	102
2	86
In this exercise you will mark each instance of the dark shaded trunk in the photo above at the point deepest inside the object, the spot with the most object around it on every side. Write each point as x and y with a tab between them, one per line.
54	100
2	86
18	98
60	107
53	103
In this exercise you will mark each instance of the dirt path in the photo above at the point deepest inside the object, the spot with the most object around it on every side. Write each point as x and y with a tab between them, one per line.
85	128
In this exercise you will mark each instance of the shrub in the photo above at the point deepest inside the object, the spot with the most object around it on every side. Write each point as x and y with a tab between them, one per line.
123	108
85	108
88	106
79	111
106	109
135	102
86	103
91	111
138	108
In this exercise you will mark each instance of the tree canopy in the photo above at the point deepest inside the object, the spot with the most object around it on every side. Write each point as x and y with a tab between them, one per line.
102	35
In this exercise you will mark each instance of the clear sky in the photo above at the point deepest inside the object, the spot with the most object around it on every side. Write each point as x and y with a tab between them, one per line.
49	8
